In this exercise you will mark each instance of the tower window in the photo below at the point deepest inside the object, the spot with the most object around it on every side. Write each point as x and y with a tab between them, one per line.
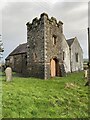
63	55
54	39
76	55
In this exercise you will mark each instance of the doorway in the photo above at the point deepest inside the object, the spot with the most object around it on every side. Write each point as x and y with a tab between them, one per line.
54	67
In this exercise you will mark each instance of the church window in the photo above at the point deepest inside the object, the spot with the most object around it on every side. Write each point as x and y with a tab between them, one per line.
63	55
76	55
54	39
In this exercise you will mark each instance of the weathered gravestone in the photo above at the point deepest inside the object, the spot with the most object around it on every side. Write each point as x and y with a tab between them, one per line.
85	73
8	73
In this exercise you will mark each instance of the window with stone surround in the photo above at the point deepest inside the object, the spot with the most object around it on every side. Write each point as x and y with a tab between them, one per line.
63	55
54	39
76	55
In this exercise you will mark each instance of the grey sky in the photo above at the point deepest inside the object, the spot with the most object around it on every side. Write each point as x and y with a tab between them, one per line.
15	15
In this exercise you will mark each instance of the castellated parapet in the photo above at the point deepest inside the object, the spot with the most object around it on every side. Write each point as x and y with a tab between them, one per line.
52	21
44	41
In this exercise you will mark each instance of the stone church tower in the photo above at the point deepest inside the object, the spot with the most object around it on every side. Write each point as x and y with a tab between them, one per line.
47	53
45	42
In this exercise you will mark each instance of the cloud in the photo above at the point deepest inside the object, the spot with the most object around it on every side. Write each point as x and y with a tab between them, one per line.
17	14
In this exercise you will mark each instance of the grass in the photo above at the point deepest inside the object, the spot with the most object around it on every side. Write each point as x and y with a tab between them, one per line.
65	97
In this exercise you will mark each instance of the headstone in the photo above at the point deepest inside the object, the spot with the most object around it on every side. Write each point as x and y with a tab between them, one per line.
85	73
8	73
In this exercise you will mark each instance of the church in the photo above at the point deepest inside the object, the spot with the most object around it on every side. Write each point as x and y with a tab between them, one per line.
47	53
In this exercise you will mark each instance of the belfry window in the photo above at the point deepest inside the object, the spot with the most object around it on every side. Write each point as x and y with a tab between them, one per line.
54	39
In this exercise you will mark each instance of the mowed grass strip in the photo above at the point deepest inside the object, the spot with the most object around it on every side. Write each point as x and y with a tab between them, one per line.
60	97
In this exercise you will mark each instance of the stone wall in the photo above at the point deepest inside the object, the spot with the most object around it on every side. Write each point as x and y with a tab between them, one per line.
18	63
35	41
41	47
52	50
75	48
65	50
55	50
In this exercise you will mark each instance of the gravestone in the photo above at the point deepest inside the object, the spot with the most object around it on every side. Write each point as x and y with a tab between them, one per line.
8	73
85	73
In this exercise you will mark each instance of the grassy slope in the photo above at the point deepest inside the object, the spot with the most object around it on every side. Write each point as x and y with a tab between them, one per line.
30	97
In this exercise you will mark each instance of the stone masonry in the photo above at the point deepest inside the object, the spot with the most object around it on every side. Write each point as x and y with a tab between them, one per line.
44	38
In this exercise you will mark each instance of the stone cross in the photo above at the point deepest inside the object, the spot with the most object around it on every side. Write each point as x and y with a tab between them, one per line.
8	73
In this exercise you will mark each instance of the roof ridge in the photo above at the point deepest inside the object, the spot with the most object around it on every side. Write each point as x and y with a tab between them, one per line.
21	48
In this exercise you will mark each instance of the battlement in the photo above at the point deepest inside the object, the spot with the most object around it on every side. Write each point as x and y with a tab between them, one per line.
35	22
44	15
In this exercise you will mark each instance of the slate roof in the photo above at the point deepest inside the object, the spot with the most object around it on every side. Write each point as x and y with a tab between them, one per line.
70	41
22	48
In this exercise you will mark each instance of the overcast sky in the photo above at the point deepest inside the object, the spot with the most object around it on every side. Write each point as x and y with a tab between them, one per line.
15	15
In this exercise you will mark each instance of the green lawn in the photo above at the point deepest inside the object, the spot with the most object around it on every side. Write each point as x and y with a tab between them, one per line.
36	98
